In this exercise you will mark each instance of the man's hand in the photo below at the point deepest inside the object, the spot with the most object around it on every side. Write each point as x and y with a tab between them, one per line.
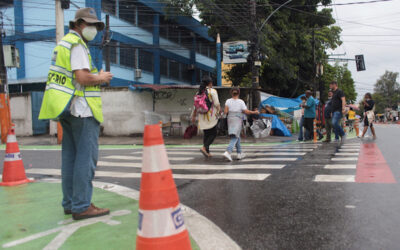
105	76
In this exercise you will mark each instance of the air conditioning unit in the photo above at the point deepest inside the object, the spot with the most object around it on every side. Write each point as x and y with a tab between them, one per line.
138	73
11	56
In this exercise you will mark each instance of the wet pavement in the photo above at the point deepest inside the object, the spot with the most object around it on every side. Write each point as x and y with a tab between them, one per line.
286	196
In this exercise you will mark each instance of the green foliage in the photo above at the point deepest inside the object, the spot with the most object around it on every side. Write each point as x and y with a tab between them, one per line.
342	75
386	92
287	40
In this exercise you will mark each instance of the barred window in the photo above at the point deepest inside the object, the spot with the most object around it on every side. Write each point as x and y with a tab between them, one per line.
174	69
109	6
146	60
127	55
164	66
127	11
113	47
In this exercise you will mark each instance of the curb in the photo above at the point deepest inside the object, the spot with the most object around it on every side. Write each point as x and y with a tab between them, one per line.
207	235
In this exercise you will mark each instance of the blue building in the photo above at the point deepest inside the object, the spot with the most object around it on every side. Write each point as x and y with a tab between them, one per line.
168	50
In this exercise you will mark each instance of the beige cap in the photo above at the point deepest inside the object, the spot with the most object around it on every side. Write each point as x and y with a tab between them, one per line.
89	16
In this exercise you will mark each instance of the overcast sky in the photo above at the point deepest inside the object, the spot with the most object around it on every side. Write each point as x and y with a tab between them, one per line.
374	31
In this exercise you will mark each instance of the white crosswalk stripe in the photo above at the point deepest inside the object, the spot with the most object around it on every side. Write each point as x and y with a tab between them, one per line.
347	153
227	176
189	163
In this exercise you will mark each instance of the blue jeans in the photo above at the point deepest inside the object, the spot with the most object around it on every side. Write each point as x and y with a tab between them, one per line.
235	141
336	117
301	133
79	159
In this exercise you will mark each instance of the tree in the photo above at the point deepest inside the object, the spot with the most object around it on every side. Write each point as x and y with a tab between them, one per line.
342	75
287	40
386	91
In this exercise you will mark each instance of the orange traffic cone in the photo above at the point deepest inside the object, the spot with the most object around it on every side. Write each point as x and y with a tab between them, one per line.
13	170
315	130
161	224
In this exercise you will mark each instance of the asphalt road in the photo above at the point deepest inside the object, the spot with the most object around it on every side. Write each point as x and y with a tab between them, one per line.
292	196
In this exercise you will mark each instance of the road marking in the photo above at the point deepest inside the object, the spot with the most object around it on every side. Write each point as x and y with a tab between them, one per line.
346	154
334	178
197	152
194	167
344	159
268	159
372	166
139	158
349	147
111	174
341	166
349	150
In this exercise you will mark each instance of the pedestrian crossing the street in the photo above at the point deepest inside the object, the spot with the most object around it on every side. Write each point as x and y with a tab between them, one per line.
188	163
343	165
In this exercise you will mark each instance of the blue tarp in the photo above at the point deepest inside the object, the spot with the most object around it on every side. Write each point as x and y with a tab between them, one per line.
277	125
283	104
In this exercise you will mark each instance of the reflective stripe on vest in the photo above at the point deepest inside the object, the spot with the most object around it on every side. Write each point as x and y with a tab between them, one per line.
60	86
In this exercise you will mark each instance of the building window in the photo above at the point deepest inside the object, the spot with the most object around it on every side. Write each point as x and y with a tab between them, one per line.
174	34
127	55
146	60
113	47
127	11
174	69
145	19
163	66
186	73
109	6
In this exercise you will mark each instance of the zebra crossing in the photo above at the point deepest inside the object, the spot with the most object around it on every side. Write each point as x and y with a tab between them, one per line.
344	161
188	163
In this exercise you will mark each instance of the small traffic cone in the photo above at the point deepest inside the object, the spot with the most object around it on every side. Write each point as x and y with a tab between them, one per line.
315	131
357	127
13	169
161	224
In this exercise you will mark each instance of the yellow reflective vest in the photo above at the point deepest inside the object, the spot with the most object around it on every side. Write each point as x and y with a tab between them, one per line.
60	88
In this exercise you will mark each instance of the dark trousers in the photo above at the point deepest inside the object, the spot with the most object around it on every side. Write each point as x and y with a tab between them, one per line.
209	137
309	126
328	127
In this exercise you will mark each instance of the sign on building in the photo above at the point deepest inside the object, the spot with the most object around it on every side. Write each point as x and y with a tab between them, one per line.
235	52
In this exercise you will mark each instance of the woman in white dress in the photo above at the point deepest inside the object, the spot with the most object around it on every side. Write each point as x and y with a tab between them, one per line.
235	108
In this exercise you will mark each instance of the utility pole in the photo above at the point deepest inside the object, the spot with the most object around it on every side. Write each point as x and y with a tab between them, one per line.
255	73
59	36
3	69
5	114
107	43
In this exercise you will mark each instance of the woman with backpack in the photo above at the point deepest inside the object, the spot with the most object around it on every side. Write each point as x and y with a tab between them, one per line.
207	108
235	108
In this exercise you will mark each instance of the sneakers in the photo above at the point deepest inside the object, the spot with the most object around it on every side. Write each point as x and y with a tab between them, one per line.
91	212
227	156
343	138
241	156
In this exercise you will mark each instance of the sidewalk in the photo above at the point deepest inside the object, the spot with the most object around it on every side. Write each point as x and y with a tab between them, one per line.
46	140
32	218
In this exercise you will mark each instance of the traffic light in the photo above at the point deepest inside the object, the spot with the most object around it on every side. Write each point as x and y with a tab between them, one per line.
360	64
65	4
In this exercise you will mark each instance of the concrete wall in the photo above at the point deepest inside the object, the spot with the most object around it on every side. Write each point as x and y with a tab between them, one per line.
123	111
21	114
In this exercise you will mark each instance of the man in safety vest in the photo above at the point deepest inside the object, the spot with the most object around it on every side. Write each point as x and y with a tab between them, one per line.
72	96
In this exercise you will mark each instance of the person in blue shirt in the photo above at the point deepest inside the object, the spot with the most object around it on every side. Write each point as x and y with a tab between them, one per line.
309	115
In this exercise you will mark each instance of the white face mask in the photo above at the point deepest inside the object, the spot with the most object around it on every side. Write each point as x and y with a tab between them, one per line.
89	32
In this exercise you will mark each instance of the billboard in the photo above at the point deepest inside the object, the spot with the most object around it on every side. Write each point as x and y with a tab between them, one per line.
235	52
